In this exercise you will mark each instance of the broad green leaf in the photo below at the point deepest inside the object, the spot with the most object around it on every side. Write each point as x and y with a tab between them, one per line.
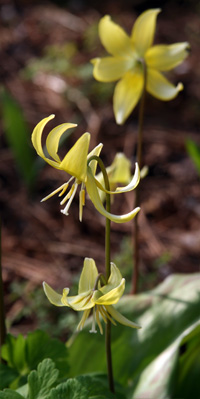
18	136
41	381
24	354
156	381
7	375
187	371
40	346
85	387
194	151
10	394
72	389
165	314
14	352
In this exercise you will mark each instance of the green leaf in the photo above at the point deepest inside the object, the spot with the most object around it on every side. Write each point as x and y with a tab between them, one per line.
42	380
165	314
85	387
156	381
14	352
7	375
10	394
24	354
40	346
194	151
18	136
187	371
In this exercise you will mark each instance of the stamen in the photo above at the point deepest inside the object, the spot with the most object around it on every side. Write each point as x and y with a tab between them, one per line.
69	194
98	320
65	188
83	319
93	330
62	188
102	314
108	316
73	192
81	202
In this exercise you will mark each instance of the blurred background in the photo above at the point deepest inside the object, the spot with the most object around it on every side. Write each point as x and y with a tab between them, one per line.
46	48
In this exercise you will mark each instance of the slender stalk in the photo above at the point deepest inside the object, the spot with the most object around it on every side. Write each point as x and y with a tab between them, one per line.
2	312
137	190
107	272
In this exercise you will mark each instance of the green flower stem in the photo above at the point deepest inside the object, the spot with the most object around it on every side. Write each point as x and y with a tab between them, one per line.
107	271
137	192
2	312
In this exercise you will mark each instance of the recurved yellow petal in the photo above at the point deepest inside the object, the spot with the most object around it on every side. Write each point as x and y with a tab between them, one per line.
52	295
96	151
164	58
75	161
160	87
132	184
110	69
95	198
53	138
120	318
127	94
88	276
144	30
114	38
37	141
114	279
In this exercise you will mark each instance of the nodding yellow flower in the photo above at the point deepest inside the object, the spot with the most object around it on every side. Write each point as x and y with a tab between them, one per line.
130	57
92	295
75	163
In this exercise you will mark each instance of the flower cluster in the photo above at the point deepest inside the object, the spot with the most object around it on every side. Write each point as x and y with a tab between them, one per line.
93	296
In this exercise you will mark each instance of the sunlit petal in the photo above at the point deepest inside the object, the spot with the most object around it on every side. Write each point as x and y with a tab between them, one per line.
53	138
164	58
115	277
88	276
160	87
120	318
114	38
110	69
127	94
52	295
112	295
144	30
75	161
95	198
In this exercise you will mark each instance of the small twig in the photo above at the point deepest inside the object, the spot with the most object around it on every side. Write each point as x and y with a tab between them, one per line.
137	190
2	311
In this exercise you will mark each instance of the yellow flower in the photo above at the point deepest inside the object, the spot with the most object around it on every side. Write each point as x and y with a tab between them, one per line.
91	295
75	164
130	56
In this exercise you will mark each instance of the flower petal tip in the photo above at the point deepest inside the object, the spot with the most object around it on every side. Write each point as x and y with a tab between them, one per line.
180	86
120	118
